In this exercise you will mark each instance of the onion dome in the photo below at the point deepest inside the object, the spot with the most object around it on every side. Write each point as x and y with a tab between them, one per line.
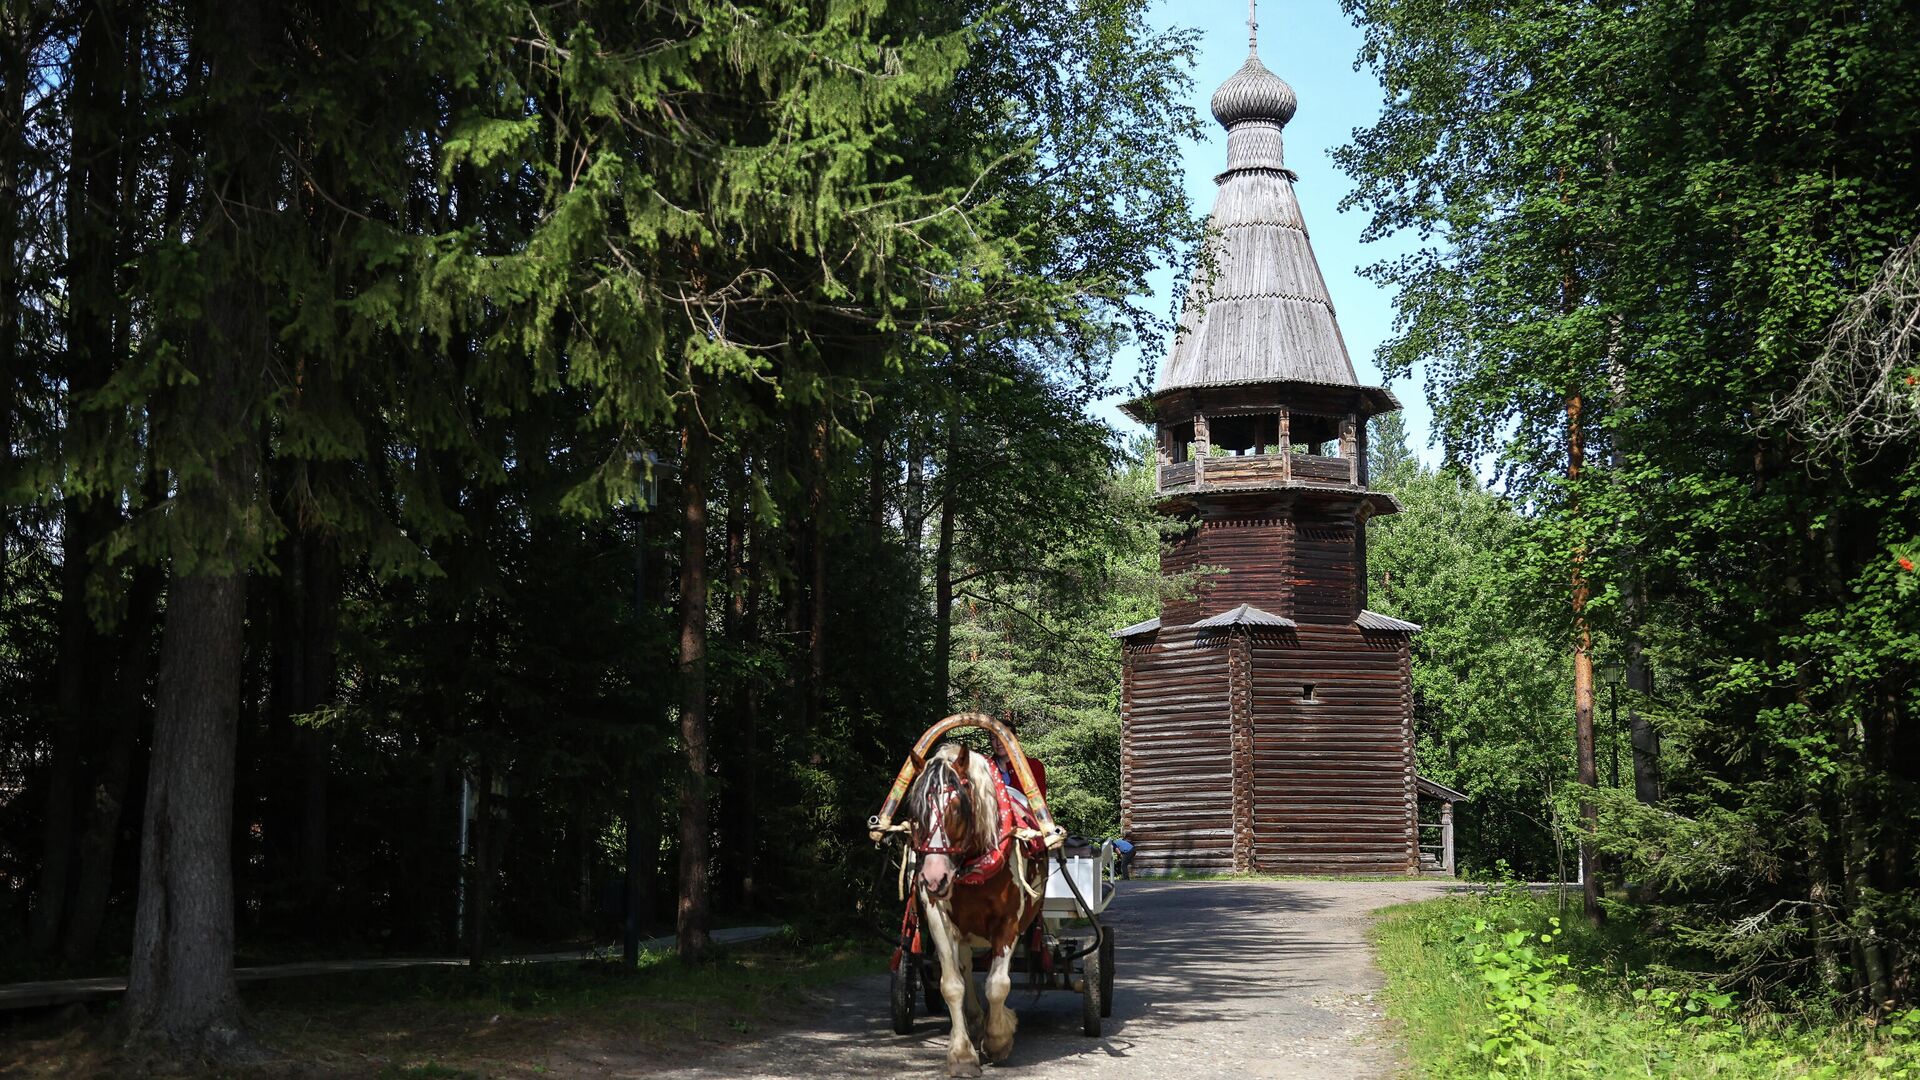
1263	315
1253	93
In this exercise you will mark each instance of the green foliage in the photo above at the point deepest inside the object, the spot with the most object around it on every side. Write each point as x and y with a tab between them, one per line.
1040	649
1492	985
1521	981
1490	680
878	256
1656	212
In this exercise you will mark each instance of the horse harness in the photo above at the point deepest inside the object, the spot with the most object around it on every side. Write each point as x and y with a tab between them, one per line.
988	863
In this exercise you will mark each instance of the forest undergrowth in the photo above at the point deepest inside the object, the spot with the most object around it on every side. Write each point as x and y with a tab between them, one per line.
506	1018
1498	984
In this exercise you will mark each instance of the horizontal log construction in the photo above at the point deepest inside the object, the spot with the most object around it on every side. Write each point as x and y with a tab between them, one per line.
1331	469
1177	755
1252	548
1352	740
1317	777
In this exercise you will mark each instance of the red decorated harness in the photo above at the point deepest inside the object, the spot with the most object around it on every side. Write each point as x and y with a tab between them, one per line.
1013	817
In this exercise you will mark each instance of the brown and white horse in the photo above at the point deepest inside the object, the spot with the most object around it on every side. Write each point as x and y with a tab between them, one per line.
969	895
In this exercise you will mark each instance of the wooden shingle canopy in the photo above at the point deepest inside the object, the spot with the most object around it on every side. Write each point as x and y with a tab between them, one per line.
1246	615
1266	722
1373	620
1438	790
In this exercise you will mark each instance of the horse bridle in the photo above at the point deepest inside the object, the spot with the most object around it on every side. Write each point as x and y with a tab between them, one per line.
961	785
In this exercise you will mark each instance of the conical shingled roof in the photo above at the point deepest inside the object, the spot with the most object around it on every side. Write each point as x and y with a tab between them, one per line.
1264	314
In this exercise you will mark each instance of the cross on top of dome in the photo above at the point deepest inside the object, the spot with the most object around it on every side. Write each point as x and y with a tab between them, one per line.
1253	92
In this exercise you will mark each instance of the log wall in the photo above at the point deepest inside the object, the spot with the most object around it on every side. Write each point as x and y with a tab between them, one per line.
1176	757
1255	549
1333	777
1227	764
1324	572
1330	470
1176	474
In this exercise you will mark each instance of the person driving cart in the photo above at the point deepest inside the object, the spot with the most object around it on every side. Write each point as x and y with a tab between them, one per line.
1007	774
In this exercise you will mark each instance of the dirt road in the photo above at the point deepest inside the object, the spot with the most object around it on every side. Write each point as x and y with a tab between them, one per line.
1214	979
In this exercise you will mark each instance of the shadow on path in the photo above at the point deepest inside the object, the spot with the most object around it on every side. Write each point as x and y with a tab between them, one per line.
1212	978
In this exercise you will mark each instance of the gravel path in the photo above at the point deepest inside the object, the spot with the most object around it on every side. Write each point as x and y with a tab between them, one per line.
1213	979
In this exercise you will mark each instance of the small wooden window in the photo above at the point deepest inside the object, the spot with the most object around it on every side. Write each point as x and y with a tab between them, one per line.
1306	692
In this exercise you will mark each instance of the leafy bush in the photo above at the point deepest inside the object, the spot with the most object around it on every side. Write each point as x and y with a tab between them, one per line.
1494	985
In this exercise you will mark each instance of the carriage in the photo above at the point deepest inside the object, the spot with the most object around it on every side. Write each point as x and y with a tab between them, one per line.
1065	947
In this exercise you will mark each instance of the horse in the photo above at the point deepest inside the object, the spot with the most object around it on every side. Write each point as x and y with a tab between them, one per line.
976	889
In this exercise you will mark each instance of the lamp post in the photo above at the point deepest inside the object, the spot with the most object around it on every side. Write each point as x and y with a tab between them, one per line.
640	866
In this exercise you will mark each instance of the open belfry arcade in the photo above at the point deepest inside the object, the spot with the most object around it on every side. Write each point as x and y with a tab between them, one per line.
1267	720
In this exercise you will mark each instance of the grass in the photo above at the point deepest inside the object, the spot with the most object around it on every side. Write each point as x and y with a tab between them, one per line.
1491	986
504	1020
257	949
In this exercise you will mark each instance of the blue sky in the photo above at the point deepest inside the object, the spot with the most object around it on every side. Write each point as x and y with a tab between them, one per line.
1313	47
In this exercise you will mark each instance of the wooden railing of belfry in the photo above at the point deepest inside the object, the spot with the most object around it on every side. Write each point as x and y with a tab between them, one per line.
1227	471
1329	469
882	823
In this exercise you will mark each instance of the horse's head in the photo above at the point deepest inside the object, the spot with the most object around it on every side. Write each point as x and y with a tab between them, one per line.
952	805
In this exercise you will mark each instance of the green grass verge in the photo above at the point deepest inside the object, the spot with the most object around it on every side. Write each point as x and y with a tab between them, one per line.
1491	986
506	1019
747	978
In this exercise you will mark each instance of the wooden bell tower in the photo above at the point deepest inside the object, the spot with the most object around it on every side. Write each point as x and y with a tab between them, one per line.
1266	723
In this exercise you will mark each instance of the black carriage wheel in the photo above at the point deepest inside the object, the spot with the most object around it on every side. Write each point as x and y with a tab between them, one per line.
903	977
930	982
1106	971
1092	1007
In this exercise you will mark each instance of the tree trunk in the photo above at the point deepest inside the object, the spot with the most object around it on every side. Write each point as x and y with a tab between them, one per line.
305	624
694	914
817	575
748	799
638	901
92	237
943	596
643	855
180	989
481	859
640	816
106	806
876	485
1875	979
583	819
1588	765
1642	738
913	517
15	49
742	603
1826	929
